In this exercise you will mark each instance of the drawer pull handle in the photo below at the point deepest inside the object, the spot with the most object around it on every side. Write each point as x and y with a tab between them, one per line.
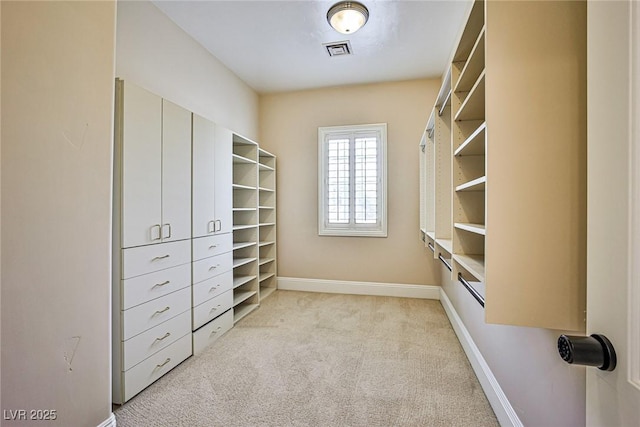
216	330
161	311
213	288
164	363
161	284
167	335
160	257
214	308
213	246
214	267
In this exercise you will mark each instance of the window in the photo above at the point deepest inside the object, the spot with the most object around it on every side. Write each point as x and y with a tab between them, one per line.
352	181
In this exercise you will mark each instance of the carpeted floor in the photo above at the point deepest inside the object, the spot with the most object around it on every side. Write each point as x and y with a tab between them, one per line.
309	359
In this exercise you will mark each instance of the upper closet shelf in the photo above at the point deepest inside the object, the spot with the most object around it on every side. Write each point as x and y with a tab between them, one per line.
474	145
472	228
473	106
477	184
240	159
473	67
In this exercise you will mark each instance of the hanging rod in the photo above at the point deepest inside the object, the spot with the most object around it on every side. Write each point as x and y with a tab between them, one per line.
471	290
444	261
431	247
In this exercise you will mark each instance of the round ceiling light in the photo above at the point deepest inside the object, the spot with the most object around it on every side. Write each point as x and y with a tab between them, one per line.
347	17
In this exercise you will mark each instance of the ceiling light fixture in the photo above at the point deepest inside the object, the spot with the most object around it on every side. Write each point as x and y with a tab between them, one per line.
347	17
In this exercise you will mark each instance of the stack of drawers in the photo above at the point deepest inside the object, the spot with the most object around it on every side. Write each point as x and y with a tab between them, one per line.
155	315
212	289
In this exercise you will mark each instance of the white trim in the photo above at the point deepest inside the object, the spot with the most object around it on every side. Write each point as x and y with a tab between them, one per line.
634	200
109	422
359	288
352	229
501	406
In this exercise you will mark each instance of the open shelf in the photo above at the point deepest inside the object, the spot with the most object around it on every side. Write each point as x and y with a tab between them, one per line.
237	262
264	261
244	209
266	276
266	224
241	280
473	107
266	291
266	189
264	167
477	184
243	227
243	187
473	66
241	296
474	264
242	310
271	242
241	159
474	145
240	245
472	228
446	244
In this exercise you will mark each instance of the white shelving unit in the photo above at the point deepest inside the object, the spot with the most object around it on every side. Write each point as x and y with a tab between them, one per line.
267	222
245	227
490	185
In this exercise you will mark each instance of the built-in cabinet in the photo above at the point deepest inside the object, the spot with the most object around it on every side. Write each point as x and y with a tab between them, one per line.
191	200
212	244
152	246
503	163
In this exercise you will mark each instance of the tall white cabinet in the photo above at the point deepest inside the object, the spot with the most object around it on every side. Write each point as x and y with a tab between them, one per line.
194	242
152	248
212	245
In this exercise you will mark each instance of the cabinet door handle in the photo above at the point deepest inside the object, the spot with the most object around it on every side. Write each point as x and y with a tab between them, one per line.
213	267
167	225
167	335
161	311
160	257
161	284
211	227
164	363
219	223
159	232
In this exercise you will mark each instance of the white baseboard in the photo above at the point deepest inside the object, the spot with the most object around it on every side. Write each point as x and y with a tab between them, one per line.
505	413
359	288
109	422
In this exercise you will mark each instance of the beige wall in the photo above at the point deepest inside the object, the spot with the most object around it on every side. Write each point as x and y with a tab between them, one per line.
289	125
57	125
153	52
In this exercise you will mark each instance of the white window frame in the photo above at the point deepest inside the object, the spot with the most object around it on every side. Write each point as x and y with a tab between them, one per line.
379	229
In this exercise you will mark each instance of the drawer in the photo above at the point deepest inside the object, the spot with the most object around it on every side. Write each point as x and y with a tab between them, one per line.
145	316
146	372
150	258
210	332
213	287
206	247
138	348
212	309
211	267
140	289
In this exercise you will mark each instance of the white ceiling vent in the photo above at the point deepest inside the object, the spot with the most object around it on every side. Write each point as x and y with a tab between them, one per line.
338	48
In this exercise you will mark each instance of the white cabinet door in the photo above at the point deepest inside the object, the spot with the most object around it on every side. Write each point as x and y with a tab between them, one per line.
223	180
204	177
176	172
141	139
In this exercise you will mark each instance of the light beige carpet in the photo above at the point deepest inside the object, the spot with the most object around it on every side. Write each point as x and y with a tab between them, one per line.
309	359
